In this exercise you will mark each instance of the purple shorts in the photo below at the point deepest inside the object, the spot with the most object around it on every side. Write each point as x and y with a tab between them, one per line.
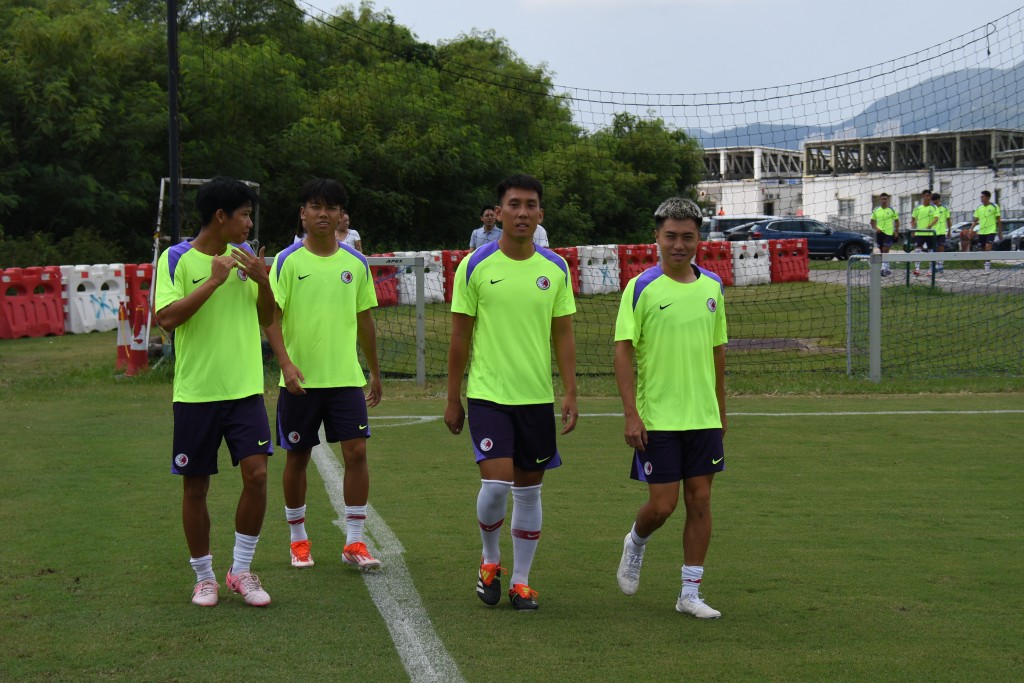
925	242
524	433
342	410
986	239
884	241
199	428
673	456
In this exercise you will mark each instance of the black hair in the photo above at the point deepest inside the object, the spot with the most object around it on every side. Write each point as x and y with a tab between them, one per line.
520	181
326	190
936	195
223	193
986	193
486	208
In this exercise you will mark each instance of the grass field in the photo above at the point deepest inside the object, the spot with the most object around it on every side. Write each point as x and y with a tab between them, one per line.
853	547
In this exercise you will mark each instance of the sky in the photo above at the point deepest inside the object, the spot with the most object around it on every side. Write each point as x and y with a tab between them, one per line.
696	46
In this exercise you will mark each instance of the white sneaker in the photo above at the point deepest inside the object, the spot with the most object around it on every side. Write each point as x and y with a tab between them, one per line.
248	586
204	593
692	604
628	575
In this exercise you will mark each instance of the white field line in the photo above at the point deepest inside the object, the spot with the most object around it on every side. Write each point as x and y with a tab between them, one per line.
405	420
421	650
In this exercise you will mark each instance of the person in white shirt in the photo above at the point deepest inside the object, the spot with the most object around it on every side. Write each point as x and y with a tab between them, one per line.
347	235
540	236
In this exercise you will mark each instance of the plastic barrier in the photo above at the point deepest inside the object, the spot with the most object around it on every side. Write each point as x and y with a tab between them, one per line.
44	291
124	335
385	283
717	258
750	263
635	259
599	269
138	348
572	259
790	261
137	280
17	319
433	278
92	296
450	260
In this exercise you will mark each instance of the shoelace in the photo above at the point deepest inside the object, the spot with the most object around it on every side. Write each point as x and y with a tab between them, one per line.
498	569
206	587
250	582
301	550
357	549
528	593
633	563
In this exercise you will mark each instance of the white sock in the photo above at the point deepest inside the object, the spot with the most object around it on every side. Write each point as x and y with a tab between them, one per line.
639	542
692	576
491	503
203	567
355	520
988	265
526	522
245	548
296	523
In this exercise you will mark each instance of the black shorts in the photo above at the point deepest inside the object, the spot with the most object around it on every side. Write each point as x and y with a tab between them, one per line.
925	242
673	456
199	428
342	410
884	241
524	433
986	239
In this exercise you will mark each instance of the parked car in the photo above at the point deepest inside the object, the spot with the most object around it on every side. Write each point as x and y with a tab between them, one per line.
715	227
822	240
1010	226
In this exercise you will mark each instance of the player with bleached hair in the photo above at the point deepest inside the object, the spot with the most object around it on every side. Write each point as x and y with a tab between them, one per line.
672	316
511	302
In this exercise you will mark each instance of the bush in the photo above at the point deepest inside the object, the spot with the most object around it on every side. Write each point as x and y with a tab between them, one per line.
85	245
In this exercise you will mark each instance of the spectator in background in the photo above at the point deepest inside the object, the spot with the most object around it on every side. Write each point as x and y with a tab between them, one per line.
886	223
987	222
347	235
941	228
540	236
487	232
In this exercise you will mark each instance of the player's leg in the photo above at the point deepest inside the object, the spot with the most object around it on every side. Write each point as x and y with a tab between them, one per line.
919	243
704	457
247	434
298	424
940	246
491	431
196	440
987	241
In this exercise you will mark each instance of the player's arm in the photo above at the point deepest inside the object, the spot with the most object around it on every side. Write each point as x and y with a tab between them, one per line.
174	314
293	377
719	352
896	225
254	267
366	333
636	431
565	355
458	359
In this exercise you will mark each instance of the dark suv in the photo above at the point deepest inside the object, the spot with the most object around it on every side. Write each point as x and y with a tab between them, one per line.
822	240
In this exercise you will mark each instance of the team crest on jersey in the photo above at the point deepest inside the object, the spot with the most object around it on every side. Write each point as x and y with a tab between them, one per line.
293	437
181	460
712	305
543	282
346	277
486	444
648	468
242	275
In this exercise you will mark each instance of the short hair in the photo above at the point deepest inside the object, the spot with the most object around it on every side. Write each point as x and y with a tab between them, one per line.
936	195
927	190
224	193
486	208
986	193
327	190
680	209
884	194
520	181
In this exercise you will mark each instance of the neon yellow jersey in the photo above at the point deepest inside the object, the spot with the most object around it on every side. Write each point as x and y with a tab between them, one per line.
218	353
513	303
674	328
319	297
885	219
924	215
987	215
942	227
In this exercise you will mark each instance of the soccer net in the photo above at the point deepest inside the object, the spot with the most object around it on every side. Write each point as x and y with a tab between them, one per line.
420	134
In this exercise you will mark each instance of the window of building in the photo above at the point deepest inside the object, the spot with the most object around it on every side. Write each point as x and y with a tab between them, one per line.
847	207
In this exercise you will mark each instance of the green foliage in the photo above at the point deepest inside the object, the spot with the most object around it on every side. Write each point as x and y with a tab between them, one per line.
84	245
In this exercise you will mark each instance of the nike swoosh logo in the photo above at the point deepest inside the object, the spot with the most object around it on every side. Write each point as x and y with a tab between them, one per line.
303	277
262	443
494	282
665	306
540	460
196	282
363	426
715	462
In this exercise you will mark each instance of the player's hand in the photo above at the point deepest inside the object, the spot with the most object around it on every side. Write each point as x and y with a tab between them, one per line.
454	416
570	413
293	379
376	391
252	264
636	433
220	268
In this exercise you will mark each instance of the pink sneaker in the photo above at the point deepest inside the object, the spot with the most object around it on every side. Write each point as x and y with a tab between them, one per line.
248	586
357	554
204	593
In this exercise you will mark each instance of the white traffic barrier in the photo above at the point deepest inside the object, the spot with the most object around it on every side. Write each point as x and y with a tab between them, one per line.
599	269
433	278
92	296
750	264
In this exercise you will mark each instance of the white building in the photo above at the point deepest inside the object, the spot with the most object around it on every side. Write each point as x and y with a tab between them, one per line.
752	180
